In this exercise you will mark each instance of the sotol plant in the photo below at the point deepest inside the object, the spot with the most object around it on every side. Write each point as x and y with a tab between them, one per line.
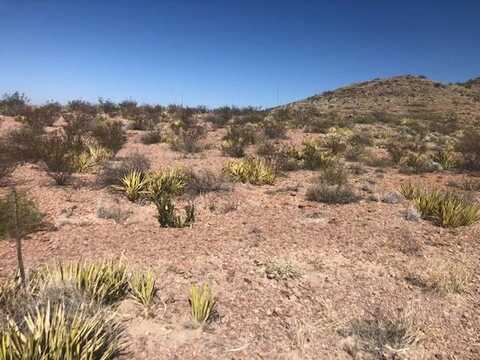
250	170
133	184
143	289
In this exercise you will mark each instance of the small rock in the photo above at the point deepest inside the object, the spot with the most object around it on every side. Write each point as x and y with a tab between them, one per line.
374	197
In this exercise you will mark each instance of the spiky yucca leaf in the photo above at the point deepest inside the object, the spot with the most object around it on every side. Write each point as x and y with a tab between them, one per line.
142	288
133	184
202	303
92	158
168	182
104	282
250	170
50	332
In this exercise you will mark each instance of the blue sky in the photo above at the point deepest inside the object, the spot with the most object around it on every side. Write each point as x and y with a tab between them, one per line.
228	52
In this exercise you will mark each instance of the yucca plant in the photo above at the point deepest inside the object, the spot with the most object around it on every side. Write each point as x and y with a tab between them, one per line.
169	182
446	209
50	332
202	303
104	282
133	184
167	215
250	170
90	159
143	289
446	157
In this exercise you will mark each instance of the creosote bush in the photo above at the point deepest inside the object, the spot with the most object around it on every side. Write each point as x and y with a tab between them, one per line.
205	181
110	134
447	209
250	170
113	172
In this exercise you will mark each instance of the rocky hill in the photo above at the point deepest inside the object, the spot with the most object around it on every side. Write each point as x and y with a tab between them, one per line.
412	96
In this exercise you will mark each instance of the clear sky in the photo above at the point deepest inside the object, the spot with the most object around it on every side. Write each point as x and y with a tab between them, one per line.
239	52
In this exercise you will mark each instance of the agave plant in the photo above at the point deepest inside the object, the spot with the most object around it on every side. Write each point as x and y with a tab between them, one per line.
202	303
169	182
133	184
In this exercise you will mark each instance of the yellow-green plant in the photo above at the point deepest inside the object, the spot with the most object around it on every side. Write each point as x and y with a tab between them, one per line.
94	156
168	182
133	184
250	170
446	209
202	303
104	282
143	289
52	332
446	157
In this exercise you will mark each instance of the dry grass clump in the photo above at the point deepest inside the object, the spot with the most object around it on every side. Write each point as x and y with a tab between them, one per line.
202	303
447	209
385	333
250	170
448	278
153	136
205	181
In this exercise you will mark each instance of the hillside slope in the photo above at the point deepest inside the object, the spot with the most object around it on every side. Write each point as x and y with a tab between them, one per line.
408	95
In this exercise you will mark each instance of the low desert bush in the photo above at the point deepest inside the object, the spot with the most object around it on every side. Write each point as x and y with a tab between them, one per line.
331	194
447	209
91	159
58	157
250	170
417	163
188	140
448	279
386	333
334	175
42	116
314	157
274	128
110	135
167	182
336	140
153	136
237	138
205	181
446	157
166	213
202	303
13	104
28	216
469	147
83	107
281	157
113	172
7	160
108	107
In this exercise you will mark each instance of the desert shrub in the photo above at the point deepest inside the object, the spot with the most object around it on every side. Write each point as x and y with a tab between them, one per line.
114	171
7	160
166	213
273	127
83	107
331	194
202	303
355	153
188	140
281	271
334	175
29	217
153	136
398	146
143	289
314	157
237	138
111	135
280	157
58	157
448	279
417	163
13	104
133	185
128	108
218	120
320	123
386	333
447	209
250	170
361	138
469	147
205	181
24	144
466	184
143	121
40	117
108	107
336	140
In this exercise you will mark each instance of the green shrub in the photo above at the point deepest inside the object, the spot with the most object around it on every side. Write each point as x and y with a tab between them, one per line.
143	288
29	217
168	182
13	104
313	157
274	128
110	134
331	194
153	136
417	163
237	138
250	170
133	184
334	175
113	172
166	214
